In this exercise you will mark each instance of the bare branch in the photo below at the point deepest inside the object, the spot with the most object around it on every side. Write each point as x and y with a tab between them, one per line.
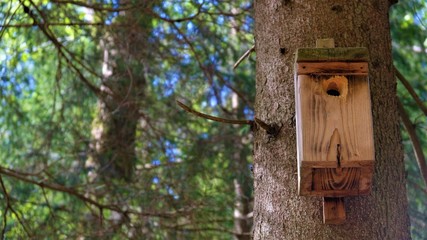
9	206
100	7
6	20
96	6
245	55
411	91
216	119
27	25
73	192
3	231
48	204
62	50
416	144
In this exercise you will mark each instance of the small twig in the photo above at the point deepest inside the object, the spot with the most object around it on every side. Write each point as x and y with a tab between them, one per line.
101	216
61	49
97	7
416	145
199	10
411	91
29	25
6	21
216	119
3	231
73	192
245	55
47	203
9	206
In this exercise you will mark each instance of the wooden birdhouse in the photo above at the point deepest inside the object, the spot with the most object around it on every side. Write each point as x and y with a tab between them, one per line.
334	125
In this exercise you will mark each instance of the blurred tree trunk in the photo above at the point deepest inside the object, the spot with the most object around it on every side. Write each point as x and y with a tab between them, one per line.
279	213
243	181
123	84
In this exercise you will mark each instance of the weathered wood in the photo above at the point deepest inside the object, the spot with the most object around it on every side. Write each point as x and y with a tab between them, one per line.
331	112
333	211
325	43
332	55
335	136
333	68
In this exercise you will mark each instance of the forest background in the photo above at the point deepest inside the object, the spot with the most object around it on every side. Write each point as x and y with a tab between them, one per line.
93	143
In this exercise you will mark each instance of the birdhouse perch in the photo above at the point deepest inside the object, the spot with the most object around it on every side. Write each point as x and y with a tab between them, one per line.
334	126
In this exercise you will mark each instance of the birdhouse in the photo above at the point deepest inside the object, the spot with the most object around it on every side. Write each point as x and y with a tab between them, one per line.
334	122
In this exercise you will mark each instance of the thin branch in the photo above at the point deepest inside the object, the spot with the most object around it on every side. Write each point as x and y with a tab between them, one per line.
208	72
47	203
27	25
9	206
96	7
411	91
3	231
101	216
245	55
231	14
199	10
6	21
212	229
62	50
419	155
63	189
216	119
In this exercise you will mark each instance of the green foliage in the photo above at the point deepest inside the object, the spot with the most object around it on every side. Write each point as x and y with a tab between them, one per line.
184	173
409	33
185	168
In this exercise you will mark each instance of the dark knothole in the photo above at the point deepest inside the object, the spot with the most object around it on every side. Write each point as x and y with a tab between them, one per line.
283	50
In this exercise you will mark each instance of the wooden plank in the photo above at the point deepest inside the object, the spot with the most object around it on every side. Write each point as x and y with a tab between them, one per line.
334	132
335	182
320	115
335	193
333	164
332	68
325	43
336	179
332	55
333	211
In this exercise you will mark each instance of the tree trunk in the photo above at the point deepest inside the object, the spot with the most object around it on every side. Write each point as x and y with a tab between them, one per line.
243	180
282	26
114	129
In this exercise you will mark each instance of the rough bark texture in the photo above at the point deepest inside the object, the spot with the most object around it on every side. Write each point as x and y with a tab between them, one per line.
282	26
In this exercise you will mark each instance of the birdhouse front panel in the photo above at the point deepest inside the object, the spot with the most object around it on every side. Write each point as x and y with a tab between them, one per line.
334	122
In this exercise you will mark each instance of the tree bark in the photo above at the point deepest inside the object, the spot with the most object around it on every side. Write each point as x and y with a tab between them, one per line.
282	26
114	129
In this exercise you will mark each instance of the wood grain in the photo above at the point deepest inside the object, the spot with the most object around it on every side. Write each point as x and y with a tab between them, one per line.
334	137
333	211
333	68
